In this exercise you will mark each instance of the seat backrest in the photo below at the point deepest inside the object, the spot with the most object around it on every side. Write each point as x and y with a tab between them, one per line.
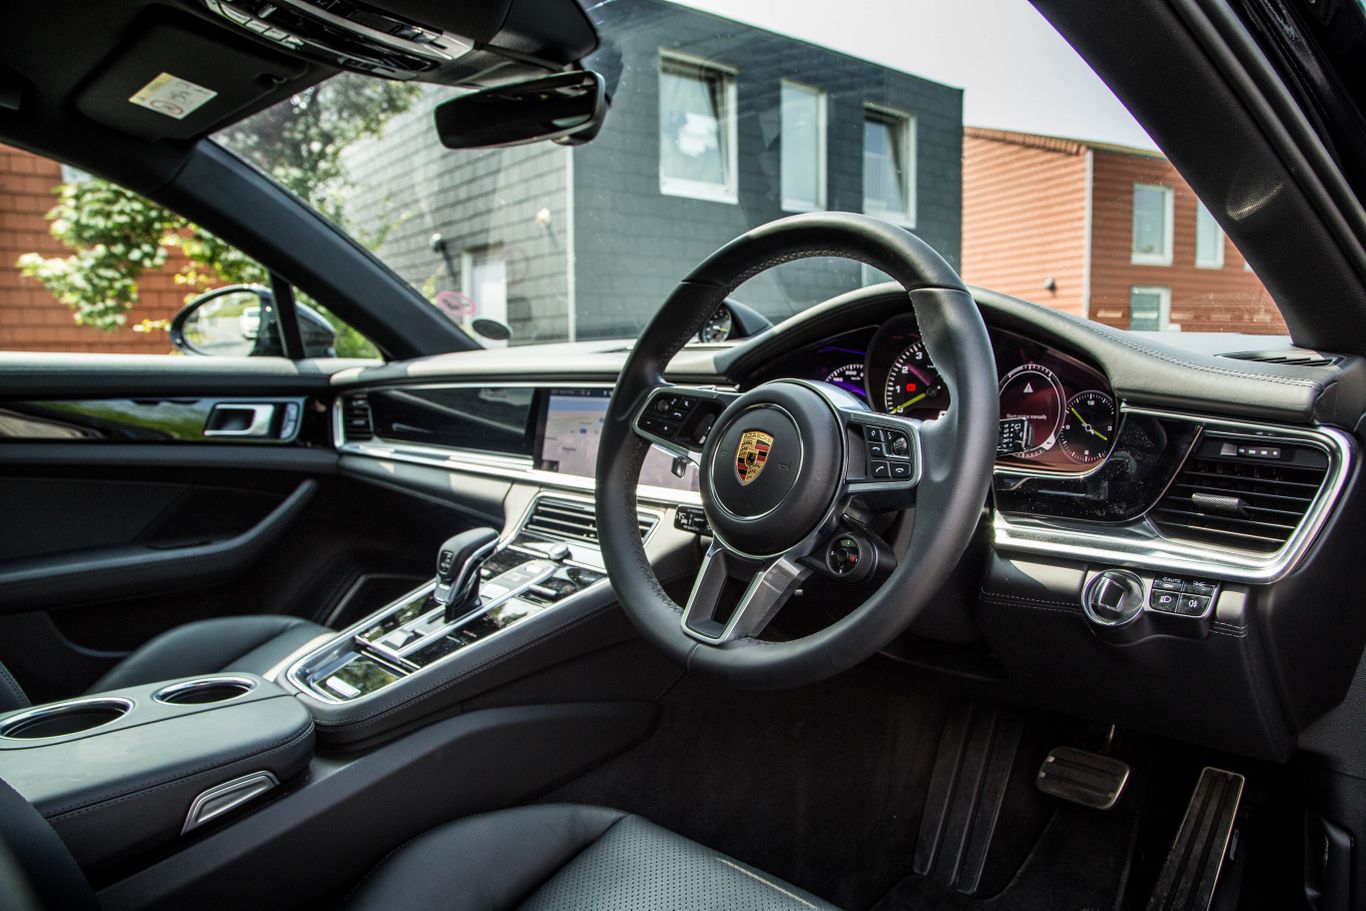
37	872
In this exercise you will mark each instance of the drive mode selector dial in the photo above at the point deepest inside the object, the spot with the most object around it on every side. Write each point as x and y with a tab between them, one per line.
1113	597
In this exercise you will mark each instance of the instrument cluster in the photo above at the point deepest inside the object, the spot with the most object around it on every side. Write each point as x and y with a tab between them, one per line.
1057	412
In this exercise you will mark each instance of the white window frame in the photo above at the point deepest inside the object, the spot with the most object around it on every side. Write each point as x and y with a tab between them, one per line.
1164	257
1203	215
908	139
801	205
729	191
1164	309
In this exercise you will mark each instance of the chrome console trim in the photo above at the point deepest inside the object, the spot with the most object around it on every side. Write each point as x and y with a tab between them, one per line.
298	679
1138	544
505	467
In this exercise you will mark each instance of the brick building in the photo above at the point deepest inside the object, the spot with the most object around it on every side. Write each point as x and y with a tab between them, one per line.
714	127
1108	232
31	319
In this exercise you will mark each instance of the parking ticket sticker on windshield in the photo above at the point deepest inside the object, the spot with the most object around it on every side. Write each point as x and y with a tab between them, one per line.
172	96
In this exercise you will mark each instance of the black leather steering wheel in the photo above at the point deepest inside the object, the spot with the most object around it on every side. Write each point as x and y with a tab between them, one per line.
789	474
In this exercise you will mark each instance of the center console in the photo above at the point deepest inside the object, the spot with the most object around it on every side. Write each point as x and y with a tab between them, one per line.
131	770
535	582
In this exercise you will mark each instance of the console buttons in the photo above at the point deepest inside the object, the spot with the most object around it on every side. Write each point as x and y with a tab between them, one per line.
1169	584
1192	605
657	425
872	434
881	470
1164	601
1205	589
876	451
900	471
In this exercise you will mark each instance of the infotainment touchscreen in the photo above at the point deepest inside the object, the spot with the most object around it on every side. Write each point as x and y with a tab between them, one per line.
571	428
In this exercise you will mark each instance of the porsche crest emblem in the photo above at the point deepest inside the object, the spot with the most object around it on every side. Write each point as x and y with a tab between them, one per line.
752	454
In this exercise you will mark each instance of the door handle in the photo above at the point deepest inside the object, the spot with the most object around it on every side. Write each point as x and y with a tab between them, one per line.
245	419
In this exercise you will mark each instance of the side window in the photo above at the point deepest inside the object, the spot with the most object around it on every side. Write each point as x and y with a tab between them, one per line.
88	266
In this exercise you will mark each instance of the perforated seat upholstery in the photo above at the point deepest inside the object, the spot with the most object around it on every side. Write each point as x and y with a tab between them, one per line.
565	857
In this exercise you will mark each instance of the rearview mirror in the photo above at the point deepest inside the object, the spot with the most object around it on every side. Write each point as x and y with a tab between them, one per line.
239	321
567	108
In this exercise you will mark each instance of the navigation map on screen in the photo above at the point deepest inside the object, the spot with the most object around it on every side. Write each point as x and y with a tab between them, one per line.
573	426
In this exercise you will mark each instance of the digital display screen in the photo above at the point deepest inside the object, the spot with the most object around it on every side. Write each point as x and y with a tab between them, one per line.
570	433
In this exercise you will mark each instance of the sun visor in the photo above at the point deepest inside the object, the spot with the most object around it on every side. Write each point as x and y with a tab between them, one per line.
171	82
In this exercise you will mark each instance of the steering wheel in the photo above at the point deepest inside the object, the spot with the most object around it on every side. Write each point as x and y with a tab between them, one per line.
791	472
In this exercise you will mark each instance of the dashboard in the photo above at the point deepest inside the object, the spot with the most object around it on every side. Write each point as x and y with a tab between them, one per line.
1058	413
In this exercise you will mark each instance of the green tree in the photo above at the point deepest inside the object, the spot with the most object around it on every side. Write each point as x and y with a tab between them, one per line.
116	235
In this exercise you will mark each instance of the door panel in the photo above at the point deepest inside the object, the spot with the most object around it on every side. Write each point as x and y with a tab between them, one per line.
126	520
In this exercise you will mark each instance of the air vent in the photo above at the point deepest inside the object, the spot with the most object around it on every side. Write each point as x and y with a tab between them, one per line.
1291	358
570	520
1247	493
357	423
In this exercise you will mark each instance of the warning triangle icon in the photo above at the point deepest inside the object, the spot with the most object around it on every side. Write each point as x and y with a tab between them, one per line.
1029	388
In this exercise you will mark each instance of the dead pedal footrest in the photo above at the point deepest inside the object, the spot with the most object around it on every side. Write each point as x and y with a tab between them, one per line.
1191	870
1079	776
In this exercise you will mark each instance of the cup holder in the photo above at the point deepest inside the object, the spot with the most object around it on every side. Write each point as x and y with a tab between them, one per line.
205	691
63	718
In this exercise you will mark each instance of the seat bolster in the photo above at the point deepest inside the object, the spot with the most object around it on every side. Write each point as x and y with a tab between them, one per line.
490	862
252	644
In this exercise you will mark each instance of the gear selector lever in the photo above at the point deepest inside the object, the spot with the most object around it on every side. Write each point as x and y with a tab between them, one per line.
457	570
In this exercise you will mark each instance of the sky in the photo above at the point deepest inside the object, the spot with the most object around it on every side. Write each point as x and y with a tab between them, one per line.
1016	72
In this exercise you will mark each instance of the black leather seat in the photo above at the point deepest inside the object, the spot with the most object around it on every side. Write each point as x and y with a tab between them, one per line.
565	857
253	644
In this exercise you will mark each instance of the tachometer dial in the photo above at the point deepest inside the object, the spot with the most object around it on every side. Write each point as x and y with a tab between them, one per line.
1088	426
849	378
1032	392
913	384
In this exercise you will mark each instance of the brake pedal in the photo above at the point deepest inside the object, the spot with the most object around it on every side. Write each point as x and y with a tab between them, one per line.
1079	776
1191	870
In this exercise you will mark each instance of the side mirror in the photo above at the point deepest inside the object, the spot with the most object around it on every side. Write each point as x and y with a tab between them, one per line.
240	321
568	108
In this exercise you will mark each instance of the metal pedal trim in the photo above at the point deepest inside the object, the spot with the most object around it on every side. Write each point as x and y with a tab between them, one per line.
1191	871
1083	777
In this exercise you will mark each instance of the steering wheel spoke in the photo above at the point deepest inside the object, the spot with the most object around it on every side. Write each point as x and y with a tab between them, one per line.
885	458
678	419
736	597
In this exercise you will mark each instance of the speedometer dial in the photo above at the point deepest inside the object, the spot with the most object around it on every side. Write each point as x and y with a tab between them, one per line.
1032	392
849	378
913	384
1088	426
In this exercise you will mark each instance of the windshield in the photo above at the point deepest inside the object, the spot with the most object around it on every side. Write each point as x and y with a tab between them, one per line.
972	124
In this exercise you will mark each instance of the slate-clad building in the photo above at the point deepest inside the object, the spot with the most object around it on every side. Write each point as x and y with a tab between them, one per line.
714	127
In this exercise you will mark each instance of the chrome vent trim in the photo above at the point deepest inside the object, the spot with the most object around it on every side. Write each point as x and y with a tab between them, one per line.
1140	545
1243	504
560	519
357	420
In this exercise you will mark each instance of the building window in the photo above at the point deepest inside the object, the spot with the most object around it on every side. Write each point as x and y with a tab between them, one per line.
803	144
1209	239
697	152
484	282
889	165
1152	225
1150	309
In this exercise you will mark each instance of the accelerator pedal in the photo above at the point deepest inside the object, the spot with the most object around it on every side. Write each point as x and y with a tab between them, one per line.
1083	777
1191	870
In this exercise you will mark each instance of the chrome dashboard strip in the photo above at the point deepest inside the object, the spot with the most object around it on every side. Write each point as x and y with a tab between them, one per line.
1135	545
507	468
1138	545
